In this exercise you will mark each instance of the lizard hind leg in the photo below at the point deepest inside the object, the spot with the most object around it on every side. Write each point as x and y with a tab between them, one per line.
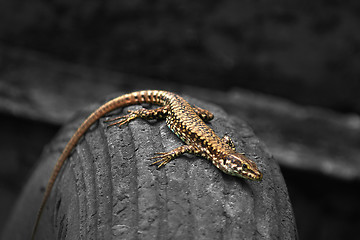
122	119
158	113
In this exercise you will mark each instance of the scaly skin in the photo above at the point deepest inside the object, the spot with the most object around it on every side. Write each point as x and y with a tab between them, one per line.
184	120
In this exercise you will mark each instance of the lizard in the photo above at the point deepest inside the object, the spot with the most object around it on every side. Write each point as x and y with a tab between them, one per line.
185	120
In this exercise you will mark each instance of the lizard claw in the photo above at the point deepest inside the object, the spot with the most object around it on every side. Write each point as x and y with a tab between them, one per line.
163	159
122	119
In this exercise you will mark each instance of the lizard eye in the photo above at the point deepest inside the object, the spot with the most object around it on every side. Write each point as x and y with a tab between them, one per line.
244	166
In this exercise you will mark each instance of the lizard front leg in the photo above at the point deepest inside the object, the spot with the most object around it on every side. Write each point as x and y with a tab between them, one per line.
229	141
165	157
204	114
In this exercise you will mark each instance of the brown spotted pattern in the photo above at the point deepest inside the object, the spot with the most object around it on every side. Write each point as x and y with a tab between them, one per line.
187	122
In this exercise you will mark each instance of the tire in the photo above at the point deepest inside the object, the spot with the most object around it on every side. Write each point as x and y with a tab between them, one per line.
108	190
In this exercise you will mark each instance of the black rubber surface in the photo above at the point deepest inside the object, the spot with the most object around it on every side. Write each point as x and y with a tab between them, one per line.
108	190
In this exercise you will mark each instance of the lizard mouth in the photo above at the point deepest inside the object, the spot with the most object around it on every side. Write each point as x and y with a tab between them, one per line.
249	174
254	176
240	166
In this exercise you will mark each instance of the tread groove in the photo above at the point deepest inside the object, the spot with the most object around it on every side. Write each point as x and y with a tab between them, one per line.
102	181
76	173
87	164
109	177
162	194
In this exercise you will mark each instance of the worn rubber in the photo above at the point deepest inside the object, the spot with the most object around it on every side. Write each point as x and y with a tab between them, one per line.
108	190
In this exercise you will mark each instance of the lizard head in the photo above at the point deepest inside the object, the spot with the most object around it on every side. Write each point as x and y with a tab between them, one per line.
238	165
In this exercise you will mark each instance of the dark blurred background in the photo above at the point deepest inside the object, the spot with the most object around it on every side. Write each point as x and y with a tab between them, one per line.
299	60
